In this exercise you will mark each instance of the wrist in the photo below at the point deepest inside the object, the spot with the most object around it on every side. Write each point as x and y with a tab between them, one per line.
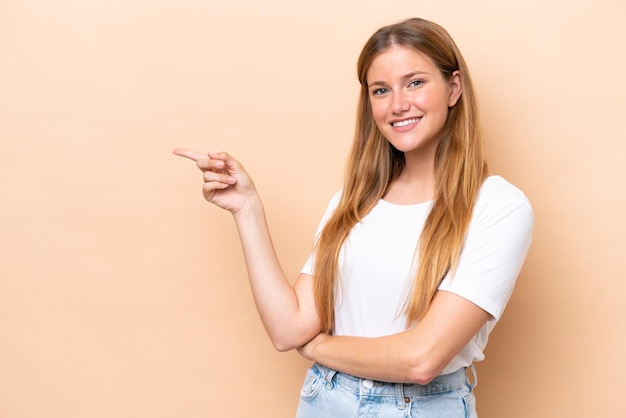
252	207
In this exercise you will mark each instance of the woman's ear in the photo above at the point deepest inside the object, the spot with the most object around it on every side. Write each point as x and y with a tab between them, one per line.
455	88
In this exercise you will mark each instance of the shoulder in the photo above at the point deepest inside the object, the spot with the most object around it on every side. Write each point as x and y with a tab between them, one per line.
498	189
498	197
334	202
330	209
502	211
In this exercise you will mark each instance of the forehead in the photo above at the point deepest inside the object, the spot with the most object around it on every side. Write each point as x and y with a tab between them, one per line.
398	61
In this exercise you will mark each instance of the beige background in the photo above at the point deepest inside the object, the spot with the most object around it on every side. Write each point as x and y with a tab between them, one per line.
123	294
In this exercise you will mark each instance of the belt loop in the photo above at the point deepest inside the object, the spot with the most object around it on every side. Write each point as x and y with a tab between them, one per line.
329	378
400	396
474	381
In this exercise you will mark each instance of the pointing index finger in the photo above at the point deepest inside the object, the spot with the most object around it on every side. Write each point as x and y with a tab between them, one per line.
192	155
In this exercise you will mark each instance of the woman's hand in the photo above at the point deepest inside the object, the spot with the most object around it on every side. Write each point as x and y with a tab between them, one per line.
226	183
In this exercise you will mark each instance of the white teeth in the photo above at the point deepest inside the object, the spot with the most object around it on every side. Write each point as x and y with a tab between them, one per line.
405	122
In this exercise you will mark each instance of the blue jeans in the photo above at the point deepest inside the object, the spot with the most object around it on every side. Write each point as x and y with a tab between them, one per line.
327	393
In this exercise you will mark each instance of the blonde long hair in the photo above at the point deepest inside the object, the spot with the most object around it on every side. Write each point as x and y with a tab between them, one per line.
373	164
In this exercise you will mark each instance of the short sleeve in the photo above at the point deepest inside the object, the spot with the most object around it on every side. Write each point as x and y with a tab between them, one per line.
495	248
332	205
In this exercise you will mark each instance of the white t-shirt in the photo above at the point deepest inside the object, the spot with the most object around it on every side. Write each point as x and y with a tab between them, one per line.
376	264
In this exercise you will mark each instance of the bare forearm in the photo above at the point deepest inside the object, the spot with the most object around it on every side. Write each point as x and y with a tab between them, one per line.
384	358
276	300
417	355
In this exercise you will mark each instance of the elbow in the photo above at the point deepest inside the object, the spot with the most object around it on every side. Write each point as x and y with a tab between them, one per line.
282	346
421	377
287	342
290	338
423	370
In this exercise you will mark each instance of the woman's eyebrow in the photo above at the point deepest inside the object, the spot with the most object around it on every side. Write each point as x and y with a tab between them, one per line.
404	77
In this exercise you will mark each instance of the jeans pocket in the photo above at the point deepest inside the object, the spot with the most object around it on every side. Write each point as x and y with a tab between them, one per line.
313	381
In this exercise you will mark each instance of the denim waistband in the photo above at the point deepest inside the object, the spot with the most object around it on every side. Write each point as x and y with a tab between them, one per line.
440	384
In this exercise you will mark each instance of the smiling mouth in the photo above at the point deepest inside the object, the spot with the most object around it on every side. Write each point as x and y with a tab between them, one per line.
406	122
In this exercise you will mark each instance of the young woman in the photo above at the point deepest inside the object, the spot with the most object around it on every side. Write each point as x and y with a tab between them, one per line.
415	258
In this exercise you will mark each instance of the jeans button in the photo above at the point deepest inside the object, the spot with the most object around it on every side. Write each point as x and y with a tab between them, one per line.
368	384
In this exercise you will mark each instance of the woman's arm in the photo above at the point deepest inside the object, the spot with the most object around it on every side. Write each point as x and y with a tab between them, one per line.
497	242
287	312
414	356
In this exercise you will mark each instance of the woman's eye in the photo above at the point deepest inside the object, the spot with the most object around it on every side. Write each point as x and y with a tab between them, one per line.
416	83
378	92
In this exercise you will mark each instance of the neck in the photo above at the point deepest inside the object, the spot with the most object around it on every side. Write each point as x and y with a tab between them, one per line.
416	183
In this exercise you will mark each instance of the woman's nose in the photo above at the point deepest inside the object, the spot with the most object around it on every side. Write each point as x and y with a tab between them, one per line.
399	103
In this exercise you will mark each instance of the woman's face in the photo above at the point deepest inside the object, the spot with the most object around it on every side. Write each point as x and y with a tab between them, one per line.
410	99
